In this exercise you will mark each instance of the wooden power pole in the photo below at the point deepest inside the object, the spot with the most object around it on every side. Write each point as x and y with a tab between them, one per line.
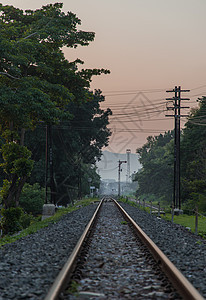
177	130
49	167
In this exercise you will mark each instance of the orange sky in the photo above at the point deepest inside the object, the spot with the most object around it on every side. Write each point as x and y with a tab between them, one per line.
149	46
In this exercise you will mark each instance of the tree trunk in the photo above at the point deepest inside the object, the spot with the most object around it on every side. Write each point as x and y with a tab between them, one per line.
19	189
11	193
14	192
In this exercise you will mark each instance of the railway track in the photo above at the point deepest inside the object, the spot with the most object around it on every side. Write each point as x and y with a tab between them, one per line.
114	259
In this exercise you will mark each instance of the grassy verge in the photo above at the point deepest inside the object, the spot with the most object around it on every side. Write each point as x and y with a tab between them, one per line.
184	220
189	221
36	225
135	204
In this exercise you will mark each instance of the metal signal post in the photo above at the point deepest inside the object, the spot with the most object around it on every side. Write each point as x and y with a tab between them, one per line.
119	170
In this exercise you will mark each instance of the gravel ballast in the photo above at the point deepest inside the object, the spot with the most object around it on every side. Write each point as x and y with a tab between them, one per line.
29	266
117	265
186	250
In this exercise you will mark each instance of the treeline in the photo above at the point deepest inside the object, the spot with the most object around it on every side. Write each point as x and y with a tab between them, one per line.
76	145
155	179
41	89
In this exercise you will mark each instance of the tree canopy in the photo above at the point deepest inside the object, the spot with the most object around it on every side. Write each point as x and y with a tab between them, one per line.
193	158
155	177
157	155
38	85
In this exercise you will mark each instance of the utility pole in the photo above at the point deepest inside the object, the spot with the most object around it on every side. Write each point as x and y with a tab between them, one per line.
49	158
46	167
80	178
119	170
128	151
49	208
177	115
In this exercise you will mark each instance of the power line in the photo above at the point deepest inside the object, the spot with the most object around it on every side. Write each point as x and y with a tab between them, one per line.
144	120
199	87
127	93
141	113
197	123
155	90
108	170
136	91
140	131
123	104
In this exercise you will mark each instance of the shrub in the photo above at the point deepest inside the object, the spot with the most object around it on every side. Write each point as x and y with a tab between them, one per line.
25	220
32	198
10	221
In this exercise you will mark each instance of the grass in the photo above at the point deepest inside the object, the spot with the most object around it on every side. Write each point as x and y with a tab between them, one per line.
73	288
36	225
184	220
124	223
189	221
135	204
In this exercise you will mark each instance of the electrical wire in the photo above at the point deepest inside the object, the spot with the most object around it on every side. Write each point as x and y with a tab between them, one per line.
124	113
150	90
108	170
121	92
197	123
125	104
140	120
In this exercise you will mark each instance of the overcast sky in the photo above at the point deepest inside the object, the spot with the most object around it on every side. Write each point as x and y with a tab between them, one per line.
149	46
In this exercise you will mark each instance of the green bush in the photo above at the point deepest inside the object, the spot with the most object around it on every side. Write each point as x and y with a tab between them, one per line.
25	220
14	219
196	199
10	221
32	198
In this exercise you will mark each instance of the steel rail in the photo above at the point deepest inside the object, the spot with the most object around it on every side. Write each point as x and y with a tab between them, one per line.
183	286
65	274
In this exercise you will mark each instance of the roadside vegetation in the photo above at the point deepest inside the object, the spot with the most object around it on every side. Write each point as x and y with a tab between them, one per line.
37	224
155	179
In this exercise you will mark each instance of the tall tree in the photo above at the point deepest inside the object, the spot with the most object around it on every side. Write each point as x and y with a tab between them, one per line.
193	158
77	145
155	177
33	87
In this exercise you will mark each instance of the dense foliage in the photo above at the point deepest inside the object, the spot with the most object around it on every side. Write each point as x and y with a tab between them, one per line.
76	145
15	219
156	176
39	87
193	158
32	198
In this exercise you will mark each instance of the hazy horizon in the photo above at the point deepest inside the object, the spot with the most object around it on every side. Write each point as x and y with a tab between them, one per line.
108	166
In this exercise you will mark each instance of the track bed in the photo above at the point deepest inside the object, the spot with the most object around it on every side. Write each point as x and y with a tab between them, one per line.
118	266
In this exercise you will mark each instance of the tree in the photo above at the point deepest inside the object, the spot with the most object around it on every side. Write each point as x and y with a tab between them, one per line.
77	145
155	177
32	198
33	81
193	158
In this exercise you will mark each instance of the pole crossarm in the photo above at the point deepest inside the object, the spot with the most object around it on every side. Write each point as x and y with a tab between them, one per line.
179	116
122	161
